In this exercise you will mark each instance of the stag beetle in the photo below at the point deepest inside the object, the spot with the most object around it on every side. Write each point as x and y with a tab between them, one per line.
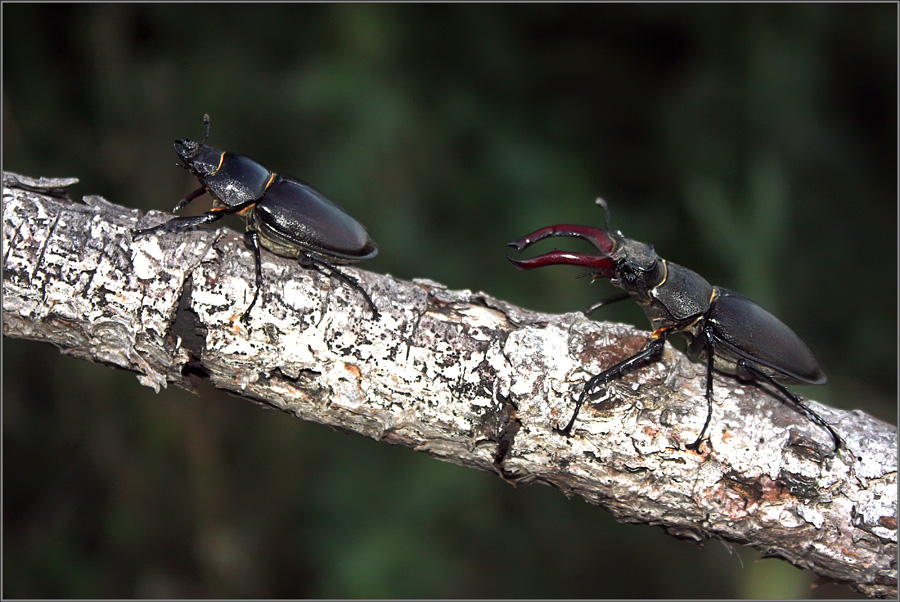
732	333
286	216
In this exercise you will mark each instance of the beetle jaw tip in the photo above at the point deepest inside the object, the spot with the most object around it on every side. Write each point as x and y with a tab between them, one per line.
518	245
519	264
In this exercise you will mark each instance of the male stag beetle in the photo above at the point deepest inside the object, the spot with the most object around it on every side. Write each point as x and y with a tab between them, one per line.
286	216
732	333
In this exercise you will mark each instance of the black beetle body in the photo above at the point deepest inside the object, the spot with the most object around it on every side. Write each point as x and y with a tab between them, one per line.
296	219
732	333
743	329
677	299
285	215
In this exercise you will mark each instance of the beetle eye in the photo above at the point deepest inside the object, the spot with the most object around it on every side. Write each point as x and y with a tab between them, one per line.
627	275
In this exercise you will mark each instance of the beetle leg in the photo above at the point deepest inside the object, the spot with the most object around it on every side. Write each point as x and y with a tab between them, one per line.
648	353
181	224
252	238
599	304
347	279
184	202
710	362
793	400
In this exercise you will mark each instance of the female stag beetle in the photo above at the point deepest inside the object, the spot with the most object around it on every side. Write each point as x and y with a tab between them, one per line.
732	333
286	216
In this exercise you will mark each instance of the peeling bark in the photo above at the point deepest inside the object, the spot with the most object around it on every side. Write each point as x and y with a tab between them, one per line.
460	375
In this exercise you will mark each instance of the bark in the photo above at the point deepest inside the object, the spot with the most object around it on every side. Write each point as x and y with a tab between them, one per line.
463	376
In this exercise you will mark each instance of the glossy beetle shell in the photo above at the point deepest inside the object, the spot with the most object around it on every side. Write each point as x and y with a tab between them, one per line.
293	214
753	333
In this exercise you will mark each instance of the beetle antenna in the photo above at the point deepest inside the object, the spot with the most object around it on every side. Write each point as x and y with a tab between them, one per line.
603	204
206	121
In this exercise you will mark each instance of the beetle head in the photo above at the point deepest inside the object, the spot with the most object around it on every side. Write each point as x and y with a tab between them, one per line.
637	266
197	157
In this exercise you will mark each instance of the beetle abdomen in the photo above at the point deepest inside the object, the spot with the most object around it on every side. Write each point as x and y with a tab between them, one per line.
295	213
758	336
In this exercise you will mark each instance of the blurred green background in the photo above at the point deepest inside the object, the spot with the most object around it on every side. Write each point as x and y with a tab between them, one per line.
755	144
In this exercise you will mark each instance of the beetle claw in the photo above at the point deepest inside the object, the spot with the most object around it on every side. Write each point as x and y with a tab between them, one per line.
598	237
518	245
602	264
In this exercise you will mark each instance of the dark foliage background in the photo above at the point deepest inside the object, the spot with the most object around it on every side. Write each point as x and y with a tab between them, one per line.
756	144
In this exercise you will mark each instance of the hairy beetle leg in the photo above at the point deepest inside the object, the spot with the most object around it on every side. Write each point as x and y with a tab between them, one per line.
604	302
186	200
307	260
648	353
345	278
710	362
252	238
794	402
180	224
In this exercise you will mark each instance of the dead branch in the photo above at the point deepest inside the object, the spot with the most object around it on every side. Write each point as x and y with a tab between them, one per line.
460	375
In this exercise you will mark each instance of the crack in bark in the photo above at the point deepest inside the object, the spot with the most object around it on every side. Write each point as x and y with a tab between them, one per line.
188	333
509	426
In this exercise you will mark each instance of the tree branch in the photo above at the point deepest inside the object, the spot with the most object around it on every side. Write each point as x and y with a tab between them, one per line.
462	376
